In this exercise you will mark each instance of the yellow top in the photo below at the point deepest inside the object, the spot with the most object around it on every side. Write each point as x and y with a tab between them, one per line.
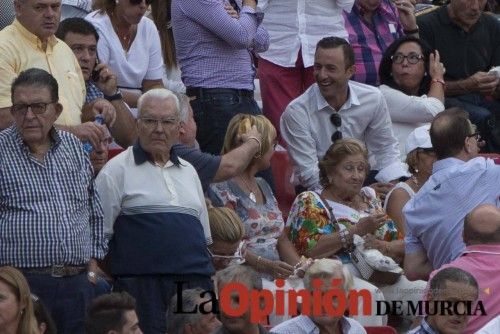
21	50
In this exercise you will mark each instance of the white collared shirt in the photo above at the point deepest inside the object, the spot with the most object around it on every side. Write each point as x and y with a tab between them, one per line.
304	325
296	24
306	127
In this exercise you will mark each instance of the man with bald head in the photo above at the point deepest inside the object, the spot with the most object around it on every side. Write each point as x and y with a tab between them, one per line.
481	258
460	181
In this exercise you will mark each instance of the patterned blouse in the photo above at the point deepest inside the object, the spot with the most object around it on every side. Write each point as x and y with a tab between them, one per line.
263	222
309	219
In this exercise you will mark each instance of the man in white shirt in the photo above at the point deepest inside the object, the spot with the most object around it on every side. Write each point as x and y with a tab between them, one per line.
294	27
336	107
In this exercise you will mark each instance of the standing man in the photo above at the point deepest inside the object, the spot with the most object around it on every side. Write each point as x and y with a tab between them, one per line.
460	181
216	46
29	42
295	27
468	41
155	214
372	26
51	220
336	107
100	81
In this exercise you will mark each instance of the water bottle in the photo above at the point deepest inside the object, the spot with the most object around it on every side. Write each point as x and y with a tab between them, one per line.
87	146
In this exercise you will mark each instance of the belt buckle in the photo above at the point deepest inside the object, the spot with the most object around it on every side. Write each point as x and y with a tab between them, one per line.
57	270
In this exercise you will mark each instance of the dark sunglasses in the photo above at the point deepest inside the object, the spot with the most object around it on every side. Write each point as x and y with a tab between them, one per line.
336	120
138	2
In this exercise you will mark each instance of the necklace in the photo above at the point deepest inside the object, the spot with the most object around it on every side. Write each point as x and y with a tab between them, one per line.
251	195
125	39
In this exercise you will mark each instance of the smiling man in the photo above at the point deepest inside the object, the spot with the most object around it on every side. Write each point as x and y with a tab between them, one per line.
51	221
336	107
155	214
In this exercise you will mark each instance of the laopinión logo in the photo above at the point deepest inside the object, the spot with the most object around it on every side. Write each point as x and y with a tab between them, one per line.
318	302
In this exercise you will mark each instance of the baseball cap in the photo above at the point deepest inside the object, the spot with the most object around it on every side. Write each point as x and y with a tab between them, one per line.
418	138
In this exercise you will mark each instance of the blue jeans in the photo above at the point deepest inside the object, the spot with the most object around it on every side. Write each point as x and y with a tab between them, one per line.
213	109
66	298
153	293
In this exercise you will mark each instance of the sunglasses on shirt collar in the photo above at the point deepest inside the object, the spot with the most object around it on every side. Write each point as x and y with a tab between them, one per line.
336	120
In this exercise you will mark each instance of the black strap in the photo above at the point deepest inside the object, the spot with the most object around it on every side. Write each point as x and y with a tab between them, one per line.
333	220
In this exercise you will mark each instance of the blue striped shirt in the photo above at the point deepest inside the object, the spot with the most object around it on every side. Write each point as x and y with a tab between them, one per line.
214	50
50	212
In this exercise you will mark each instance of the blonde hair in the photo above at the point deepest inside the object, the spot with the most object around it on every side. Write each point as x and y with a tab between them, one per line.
237	127
225	225
326	269
19	286
337	152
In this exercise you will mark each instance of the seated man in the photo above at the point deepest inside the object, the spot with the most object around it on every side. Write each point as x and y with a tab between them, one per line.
372	26
100	81
155	214
481	258
212	168
112	313
325	270
336	107
30	42
452	285
460	181
468	41
52	221
245	275
192	323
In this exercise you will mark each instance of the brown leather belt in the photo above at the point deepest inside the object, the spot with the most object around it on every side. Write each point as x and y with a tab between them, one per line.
56	270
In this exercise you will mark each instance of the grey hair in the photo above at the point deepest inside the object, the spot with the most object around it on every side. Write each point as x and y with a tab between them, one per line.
161	94
325	269
190	300
239	273
183	106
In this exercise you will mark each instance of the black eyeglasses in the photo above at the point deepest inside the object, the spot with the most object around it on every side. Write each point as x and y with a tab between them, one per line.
336	120
138	2
36	108
476	135
412	58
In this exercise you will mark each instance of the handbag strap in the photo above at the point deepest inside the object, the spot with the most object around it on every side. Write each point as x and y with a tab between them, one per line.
333	220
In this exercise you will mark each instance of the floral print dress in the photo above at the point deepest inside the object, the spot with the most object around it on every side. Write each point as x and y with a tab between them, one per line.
309	219
263	222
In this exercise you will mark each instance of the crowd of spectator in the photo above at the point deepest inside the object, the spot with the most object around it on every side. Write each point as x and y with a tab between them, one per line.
387	109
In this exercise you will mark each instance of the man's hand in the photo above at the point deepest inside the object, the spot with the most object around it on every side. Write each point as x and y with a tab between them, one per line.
406	14
231	11
106	109
483	83
107	80
95	133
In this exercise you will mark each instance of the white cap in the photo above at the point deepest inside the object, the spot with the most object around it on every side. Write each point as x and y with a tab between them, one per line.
418	138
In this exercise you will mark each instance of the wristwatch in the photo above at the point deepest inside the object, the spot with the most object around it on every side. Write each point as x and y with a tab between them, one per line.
114	97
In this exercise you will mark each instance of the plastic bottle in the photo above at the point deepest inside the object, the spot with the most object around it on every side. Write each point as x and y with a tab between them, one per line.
87	146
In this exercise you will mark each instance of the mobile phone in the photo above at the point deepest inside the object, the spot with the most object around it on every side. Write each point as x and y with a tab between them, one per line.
95	74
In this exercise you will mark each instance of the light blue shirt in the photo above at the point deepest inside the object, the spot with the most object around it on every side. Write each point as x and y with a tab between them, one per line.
435	215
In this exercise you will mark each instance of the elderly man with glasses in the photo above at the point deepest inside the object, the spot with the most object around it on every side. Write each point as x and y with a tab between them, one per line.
336	107
155	214
51	221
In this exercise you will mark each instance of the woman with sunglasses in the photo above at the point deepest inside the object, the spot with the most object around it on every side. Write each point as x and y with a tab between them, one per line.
129	43
412	83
